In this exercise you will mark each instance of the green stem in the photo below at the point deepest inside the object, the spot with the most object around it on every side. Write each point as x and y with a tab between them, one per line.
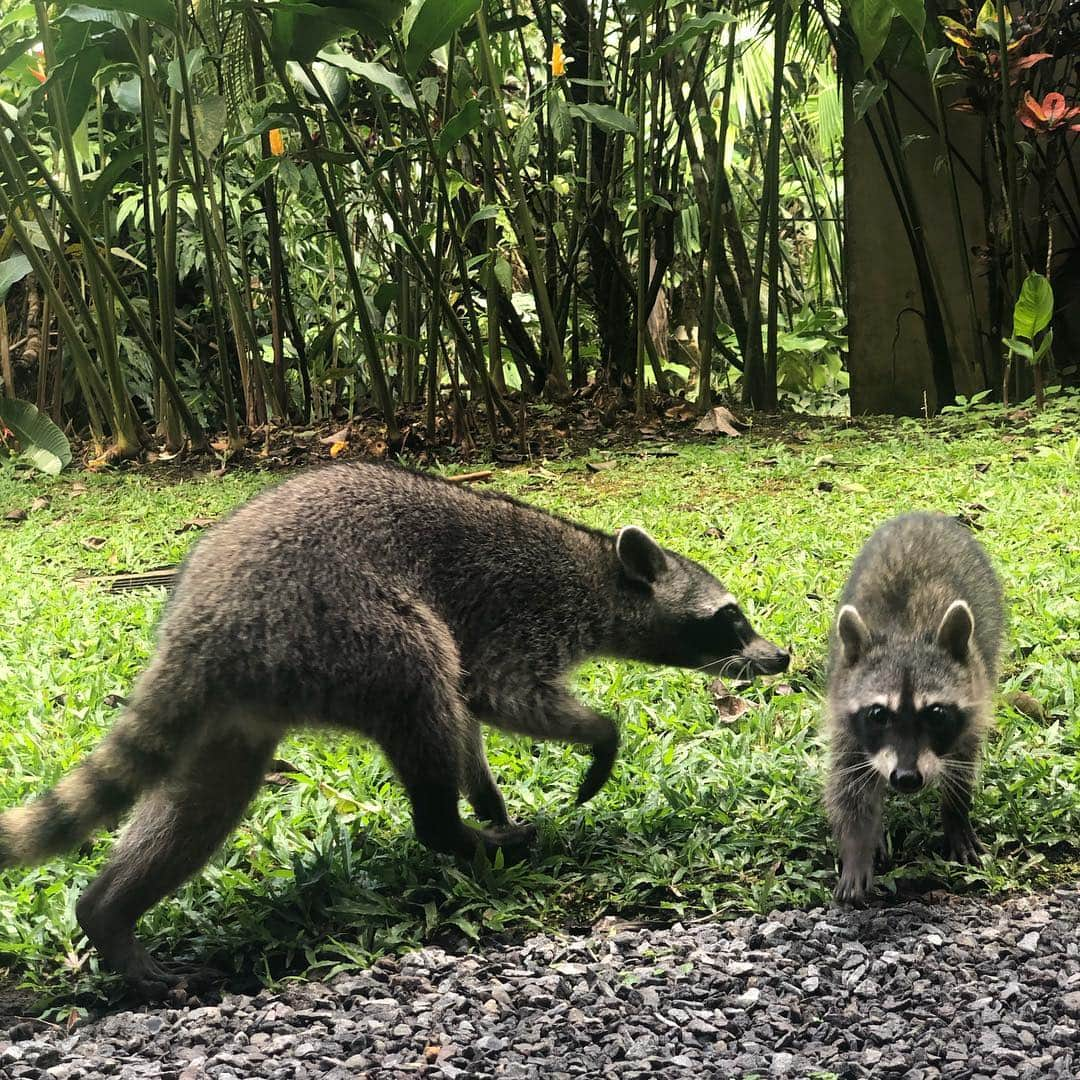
556	380
126	426
716	233
101	266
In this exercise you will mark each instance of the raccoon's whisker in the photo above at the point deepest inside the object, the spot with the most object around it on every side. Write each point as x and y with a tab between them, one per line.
959	766
848	770
952	784
864	781
728	665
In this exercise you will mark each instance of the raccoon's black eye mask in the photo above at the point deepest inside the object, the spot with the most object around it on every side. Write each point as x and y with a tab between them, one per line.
941	723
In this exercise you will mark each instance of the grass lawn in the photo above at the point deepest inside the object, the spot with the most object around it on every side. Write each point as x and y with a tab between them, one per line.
704	815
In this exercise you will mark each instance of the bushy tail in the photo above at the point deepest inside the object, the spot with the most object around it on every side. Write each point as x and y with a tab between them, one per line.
136	754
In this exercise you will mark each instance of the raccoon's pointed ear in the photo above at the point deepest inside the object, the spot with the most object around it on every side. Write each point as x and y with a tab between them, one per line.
957	630
852	632
642	558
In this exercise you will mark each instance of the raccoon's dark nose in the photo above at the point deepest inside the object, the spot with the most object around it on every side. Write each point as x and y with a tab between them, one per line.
906	780
767	658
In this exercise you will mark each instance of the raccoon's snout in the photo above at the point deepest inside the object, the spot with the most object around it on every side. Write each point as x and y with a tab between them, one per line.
766	658
906	780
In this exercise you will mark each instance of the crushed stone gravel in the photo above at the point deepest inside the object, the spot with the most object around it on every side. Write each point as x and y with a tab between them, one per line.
957	988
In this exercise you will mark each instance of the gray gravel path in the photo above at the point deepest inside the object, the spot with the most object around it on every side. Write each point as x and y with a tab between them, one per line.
960	988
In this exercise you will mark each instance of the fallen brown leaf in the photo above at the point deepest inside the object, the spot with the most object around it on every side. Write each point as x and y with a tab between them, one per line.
728	707
1025	703
681	412
338	436
195	523
718	421
40	503
94	543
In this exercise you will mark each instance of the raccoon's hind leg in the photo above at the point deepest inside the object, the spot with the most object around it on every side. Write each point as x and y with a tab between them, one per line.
551	712
478	785
175	830
961	843
853	796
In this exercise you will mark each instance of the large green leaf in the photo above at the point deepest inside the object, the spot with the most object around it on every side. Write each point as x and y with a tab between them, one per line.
687	32
986	22
525	140
913	12
331	80
13	269
40	440
81	13
1034	307
75	76
434	24
211	118
23	13
175	77
160	11
459	125
16	51
127	93
298	29
605	117
561	128
373	73
871	19
112	172
865	95
380	76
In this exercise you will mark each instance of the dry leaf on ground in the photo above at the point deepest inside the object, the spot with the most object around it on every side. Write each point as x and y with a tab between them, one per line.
728	706
718	421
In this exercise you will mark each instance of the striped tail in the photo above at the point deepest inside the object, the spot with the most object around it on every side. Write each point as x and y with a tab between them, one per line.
134	756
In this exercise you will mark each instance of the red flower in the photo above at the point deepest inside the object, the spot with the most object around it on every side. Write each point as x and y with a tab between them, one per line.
1050	114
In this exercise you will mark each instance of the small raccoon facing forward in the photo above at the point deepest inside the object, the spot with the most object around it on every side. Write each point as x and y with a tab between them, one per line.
912	668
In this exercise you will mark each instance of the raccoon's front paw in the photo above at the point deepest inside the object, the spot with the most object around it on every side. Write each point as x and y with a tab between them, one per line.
855	884
513	840
962	845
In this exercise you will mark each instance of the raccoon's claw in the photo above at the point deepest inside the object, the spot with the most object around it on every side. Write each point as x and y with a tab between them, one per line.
513	840
963	846
854	885
157	982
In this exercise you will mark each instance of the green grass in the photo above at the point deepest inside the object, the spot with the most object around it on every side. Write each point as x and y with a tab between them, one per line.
701	817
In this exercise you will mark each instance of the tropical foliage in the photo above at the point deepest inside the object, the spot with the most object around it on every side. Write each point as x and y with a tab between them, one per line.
222	215
218	215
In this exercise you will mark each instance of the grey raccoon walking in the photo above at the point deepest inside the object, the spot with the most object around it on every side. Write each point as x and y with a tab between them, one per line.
912	668
390	603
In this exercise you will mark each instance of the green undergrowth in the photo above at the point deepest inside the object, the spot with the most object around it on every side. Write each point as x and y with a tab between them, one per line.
704	816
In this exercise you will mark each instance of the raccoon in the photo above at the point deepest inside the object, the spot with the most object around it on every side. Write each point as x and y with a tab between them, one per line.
385	602
912	668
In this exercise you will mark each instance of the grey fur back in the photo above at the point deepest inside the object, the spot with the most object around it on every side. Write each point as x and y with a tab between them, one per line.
909	572
296	568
